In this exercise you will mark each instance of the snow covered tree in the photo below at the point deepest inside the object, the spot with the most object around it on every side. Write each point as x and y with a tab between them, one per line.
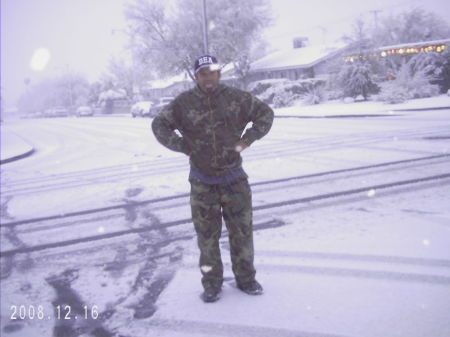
444	71
69	90
129	77
359	41
355	79
72	90
171	38
95	90
435	66
410	26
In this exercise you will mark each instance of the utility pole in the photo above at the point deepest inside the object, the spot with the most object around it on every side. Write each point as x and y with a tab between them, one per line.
205	29
375	17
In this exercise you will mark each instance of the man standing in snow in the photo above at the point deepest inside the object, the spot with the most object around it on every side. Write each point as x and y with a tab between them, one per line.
211	119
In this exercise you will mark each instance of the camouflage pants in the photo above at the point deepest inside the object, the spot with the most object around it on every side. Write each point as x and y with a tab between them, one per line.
233	201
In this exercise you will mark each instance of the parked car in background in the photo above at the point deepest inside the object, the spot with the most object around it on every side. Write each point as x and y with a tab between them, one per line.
58	111
84	111
141	109
159	105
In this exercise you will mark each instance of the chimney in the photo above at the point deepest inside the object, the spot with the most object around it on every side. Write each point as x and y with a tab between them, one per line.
299	42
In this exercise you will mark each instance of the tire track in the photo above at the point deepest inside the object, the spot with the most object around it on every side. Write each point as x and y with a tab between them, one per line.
170	165
261	183
166	225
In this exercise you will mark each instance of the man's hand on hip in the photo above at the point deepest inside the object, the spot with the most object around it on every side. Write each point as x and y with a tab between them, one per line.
240	146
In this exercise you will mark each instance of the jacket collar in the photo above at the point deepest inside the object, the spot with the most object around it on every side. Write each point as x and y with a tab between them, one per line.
201	94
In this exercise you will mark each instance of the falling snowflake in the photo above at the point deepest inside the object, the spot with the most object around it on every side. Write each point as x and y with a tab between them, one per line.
101	229
371	193
426	242
206	269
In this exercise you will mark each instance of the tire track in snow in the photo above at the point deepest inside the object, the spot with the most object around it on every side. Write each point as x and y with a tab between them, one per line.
166	225
261	183
146	169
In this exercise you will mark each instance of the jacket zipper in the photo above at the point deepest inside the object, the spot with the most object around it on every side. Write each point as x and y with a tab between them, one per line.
213	131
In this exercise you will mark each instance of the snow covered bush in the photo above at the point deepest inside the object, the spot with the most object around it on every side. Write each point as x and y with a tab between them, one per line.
315	94
349	100
283	92
392	93
356	79
412	81
283	98
257	88
332	87
265	89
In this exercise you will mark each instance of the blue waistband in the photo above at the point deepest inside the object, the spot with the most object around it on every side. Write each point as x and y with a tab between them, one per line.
214	180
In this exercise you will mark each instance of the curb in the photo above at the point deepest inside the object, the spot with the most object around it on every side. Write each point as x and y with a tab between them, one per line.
13	146
367	115
339	116
20	156
423	109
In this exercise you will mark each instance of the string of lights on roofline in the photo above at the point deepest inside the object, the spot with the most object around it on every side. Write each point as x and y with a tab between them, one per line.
439	48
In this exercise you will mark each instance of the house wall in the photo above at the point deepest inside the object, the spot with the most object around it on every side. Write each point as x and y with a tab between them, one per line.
291	74
322	68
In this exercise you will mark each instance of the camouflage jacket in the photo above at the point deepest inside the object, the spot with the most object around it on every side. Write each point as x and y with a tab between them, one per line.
211	126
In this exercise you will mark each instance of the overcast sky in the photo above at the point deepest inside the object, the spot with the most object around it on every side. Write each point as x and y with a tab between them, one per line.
82	35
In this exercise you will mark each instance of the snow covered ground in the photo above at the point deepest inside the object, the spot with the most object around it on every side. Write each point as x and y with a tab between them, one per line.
373	261
331	108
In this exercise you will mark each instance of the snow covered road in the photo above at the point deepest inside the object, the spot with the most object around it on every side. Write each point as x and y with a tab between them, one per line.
97	176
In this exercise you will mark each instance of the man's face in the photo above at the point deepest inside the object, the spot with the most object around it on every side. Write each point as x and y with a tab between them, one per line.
207	79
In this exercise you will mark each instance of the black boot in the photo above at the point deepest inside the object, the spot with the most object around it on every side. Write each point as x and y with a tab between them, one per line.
211	294
251	288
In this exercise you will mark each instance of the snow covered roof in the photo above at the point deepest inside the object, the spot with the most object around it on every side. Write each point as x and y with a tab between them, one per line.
112	94
296	58
164	83
415	44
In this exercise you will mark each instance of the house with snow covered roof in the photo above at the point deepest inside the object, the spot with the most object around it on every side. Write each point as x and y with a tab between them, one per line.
167	87
404	49
304	61
300	62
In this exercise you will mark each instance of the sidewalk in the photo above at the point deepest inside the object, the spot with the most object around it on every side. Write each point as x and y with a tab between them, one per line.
13	147
363	109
